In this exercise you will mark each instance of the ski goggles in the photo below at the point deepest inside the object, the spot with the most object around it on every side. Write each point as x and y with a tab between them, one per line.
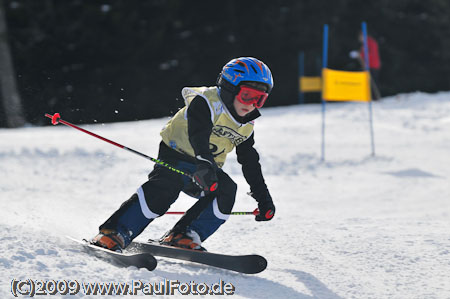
252	96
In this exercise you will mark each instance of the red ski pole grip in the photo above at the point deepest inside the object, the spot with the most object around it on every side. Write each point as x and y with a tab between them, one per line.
213	187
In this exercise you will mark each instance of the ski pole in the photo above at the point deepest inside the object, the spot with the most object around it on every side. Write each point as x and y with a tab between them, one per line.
255	212
56	119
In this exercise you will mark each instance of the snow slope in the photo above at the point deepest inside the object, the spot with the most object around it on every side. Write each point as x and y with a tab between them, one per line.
354	226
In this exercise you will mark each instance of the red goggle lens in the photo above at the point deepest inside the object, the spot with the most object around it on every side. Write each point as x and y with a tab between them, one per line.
250	96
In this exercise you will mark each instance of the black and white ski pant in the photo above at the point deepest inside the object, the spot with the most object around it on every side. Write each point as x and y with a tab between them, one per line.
162	189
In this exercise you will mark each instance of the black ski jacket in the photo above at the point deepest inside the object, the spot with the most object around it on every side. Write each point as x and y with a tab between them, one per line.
199	130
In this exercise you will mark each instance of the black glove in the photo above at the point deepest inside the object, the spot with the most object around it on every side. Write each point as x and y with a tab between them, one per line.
205	177
266	211
265	205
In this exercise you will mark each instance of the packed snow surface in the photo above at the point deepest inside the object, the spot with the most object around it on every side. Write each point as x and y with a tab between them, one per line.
351	226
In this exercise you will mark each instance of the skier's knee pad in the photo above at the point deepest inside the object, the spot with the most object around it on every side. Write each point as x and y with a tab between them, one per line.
226	193
161	190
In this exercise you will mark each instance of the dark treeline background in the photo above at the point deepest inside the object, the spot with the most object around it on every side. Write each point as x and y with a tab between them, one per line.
106	61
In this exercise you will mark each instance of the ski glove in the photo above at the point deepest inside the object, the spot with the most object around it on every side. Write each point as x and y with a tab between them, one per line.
266	211
205	177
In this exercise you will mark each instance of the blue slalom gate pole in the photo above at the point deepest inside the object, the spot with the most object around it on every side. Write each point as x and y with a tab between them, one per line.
301	73
324	65
366	60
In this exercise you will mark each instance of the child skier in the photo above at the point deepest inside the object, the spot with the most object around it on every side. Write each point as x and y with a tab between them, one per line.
197	140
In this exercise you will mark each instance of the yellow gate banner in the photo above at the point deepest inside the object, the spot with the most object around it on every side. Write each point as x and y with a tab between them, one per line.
346	86
310	84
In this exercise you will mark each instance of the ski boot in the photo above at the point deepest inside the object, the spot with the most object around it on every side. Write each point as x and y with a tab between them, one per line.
109	239
182	239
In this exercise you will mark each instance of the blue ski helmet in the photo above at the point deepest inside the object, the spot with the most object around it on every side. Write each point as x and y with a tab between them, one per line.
244	69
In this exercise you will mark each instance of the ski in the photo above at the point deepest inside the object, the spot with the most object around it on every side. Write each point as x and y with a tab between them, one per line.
126	259
248	264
